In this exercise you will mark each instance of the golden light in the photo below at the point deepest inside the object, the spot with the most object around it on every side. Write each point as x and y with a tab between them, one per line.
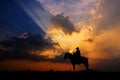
71	51
46	53
68	42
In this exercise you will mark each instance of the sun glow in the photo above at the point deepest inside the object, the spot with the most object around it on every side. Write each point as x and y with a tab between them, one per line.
68	42
71	51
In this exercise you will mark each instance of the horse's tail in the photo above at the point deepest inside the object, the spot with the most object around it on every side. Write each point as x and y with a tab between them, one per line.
86	63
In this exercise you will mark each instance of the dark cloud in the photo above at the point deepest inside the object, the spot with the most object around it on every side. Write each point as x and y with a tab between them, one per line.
19	48
89	40
60	21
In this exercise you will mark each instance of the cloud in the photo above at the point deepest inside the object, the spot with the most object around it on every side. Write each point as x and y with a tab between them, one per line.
104	41
77	9
21	48
105	23
62	22
106	15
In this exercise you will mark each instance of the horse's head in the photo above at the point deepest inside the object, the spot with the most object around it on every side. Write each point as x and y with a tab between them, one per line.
66	55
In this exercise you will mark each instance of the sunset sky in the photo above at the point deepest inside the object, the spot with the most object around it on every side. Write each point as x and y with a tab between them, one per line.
35	34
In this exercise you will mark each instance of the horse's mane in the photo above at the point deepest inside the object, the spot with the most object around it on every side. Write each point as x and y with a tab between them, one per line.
69	53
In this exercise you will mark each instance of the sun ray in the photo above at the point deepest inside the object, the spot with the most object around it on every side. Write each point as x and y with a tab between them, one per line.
40	17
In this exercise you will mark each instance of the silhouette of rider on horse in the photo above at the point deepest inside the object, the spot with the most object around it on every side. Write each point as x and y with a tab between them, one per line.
77	54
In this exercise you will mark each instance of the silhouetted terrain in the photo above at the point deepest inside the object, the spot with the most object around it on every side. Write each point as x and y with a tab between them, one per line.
60	75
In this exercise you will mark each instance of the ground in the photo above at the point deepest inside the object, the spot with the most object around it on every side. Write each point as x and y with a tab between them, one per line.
59	75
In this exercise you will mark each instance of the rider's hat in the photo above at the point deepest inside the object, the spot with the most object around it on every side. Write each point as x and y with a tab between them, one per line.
77	47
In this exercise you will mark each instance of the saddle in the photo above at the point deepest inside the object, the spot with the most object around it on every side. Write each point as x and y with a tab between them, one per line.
77	57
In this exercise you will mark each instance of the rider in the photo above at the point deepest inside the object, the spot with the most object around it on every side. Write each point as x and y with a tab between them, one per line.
77	53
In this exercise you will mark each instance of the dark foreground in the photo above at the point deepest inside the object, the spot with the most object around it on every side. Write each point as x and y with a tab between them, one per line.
59	75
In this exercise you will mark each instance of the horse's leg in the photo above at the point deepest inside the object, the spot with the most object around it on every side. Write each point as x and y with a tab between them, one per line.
73	67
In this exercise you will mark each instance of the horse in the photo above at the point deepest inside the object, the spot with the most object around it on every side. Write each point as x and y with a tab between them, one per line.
76	61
